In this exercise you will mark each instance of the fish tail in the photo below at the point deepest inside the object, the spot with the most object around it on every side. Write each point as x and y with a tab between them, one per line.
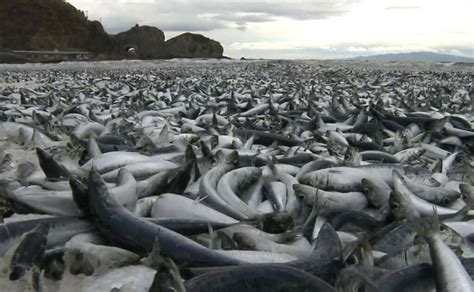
431	226
189	155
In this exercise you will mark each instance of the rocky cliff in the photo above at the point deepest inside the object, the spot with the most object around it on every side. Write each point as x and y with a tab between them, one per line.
48	25
57	25
147	42
189	45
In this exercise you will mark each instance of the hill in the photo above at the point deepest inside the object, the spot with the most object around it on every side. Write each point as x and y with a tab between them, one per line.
48	25
417	56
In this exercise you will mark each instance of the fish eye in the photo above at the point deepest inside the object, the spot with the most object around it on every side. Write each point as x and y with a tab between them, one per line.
394	205
352	260
445	201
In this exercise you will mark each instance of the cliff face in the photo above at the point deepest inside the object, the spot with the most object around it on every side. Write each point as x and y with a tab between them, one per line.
97	39
189	45
57	25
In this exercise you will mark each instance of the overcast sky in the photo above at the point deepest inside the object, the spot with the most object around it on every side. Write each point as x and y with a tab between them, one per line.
302	29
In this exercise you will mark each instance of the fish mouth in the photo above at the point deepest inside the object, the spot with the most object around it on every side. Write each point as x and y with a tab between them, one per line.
16	273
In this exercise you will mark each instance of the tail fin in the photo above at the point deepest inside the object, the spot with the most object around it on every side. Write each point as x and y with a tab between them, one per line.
163	137
80	195
51	168
93	148
431	226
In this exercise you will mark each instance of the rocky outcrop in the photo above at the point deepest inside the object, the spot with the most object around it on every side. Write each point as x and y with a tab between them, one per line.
146	42
49	25
98	40
189	45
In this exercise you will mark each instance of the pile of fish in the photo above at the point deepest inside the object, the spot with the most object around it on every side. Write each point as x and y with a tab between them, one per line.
243	176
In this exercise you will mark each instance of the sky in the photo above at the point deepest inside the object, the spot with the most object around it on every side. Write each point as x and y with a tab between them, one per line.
302	29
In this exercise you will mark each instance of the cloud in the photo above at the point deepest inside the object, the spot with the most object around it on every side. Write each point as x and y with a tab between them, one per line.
402	7
348	50
301	28
192	15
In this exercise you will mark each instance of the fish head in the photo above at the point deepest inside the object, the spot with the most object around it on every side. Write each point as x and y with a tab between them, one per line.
452	238
244	241
418	253
277	222
351	156
371	191
401	207
8	163
350	279
467	192
78	262
316	179
17	272
448	198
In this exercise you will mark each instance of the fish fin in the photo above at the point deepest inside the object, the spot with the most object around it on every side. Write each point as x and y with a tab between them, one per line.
36	118
167	272
80	195
214	122
249	143
215	242
178	282
206	152
199	199
351	249
366	254
164	137
437	166
154	258
36	138
271	161
189	155
328	240
92	147
307	227
51	168
229	128
463	214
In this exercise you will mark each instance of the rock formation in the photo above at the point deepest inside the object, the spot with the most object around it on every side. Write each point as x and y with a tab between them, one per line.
147	42
97	39
189	45
57	25
48	25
